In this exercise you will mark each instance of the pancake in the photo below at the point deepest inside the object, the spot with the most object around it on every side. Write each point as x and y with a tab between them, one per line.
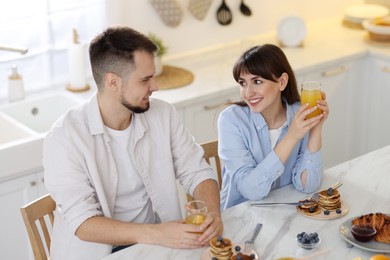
329	200
221	248
310	209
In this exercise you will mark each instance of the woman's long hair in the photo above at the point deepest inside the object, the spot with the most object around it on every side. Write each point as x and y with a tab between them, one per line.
269	62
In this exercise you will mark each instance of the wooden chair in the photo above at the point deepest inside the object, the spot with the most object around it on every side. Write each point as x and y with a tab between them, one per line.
212	158
32	213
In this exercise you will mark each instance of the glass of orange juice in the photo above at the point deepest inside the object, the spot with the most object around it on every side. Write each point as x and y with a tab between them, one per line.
310	93
196	212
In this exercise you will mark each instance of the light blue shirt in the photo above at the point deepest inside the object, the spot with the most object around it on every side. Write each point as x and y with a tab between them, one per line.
251	168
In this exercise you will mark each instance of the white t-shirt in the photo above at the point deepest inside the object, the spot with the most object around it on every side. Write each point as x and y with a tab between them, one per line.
132	202
274	135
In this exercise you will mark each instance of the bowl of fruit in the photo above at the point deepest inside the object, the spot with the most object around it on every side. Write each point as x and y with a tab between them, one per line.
308	241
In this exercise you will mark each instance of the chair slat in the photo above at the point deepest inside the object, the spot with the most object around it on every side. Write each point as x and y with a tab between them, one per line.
34	213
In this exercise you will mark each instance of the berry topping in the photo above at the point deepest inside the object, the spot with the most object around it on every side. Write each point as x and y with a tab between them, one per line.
306	238
252	256
220	239
237	248
330	191
326	212
338	211
239	257
312	209
214	258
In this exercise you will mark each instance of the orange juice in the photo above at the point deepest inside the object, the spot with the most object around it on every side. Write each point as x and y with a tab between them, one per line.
196	219
310	93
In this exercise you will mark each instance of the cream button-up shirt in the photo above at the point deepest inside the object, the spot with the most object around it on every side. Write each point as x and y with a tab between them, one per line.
81	175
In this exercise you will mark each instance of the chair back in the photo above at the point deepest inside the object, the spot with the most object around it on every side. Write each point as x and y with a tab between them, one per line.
212	158
39	211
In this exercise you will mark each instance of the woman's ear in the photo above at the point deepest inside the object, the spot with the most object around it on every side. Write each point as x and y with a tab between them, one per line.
283	81
112	81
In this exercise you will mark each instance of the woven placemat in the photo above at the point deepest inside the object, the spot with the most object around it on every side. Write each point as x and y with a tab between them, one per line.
352	25
174	77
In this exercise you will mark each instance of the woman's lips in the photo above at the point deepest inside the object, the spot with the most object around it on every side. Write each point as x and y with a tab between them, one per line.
254	101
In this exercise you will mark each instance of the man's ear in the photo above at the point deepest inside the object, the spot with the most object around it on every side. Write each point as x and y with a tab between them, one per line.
283	81
112	81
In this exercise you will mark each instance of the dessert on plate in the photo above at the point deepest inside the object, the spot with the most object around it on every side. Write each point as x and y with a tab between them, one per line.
379	221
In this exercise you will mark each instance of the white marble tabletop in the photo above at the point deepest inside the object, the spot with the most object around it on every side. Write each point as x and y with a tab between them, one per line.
365	189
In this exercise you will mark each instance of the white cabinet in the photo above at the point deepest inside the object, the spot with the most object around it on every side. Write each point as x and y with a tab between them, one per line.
15	193
378	92
201	118
342	134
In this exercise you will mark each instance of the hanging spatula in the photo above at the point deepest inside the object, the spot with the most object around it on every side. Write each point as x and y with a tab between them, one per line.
199	8
224	15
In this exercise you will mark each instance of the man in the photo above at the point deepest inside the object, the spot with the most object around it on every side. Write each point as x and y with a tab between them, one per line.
111	164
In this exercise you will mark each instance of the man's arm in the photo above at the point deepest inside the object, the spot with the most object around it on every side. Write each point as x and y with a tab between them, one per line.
114	232
208	191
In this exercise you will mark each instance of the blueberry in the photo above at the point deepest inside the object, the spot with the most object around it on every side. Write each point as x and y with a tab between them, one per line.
237	248
214	258
338	211
239	257
252	256
326	212
220	239
330	191
312	209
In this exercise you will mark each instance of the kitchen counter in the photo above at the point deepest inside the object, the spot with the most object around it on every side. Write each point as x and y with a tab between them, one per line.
327	42
364	190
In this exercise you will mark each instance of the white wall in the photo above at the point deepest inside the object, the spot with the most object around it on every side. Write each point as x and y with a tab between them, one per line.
194	34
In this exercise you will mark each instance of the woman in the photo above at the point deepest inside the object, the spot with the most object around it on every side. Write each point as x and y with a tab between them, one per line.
264	141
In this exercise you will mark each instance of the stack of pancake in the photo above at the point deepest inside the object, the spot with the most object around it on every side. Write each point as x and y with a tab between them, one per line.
221	248
329	199
380	222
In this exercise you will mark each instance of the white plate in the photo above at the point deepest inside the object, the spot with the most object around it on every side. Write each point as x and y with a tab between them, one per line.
372	246
377	29
291	31
360	12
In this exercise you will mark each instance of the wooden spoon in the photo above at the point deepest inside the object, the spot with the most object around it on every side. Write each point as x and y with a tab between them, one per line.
224	15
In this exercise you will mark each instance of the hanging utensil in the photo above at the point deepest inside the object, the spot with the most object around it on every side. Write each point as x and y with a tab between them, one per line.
245	10
169	11
199	8
224	15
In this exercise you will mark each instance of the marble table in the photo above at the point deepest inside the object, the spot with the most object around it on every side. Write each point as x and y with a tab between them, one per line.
365	189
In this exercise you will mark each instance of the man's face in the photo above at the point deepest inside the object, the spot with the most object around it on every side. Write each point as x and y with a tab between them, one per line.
140	84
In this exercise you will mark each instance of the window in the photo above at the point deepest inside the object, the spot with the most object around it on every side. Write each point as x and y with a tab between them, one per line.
45	28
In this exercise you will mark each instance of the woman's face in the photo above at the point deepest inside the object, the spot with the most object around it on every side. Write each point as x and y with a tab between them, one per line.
261	94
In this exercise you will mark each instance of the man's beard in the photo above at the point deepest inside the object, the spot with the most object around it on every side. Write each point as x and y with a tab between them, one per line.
135	109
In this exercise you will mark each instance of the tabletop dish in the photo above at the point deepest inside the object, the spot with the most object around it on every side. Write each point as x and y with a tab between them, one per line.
360	12
373	246
291	31
378	26
332	213
363	233
206	253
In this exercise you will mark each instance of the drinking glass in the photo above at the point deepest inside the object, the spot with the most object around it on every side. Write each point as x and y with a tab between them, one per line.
196	212
310	93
